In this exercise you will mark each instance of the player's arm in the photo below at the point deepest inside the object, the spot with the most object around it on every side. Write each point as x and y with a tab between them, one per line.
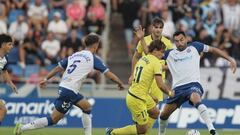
164	87
224	55
100	66
115	79
135	58
140	32
62	65
8	80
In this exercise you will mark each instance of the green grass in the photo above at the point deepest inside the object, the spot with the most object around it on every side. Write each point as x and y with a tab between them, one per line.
101	131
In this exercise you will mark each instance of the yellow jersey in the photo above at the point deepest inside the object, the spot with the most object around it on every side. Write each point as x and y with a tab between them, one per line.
144	73
154	90
148	39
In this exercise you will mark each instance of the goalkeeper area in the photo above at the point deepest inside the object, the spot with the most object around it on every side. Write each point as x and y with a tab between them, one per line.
101	131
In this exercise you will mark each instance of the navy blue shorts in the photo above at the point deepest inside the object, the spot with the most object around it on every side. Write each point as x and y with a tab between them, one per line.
66	99
183	93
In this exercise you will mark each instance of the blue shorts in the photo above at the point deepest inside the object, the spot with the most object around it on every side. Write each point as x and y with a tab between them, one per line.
183	93
66	99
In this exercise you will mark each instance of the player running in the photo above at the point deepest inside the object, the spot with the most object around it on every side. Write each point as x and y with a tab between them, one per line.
76	67
139	102
184	65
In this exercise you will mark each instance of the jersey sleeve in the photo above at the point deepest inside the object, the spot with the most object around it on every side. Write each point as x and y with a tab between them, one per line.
99	65
166	53
157	68
63	63
6	65
200	47
167	43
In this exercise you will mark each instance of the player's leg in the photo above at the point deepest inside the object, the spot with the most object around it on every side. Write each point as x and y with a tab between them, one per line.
39	123
168	109
153	111
86	117
139	113
195	99
3	110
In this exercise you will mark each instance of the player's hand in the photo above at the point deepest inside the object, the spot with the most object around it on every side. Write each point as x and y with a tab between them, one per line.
140	32
14	88
171	93
130	80
120	86
233	65
43	83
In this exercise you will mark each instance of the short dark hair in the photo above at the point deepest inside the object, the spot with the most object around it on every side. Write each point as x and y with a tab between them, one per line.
157	21
156	45
179	33
91	39
4	38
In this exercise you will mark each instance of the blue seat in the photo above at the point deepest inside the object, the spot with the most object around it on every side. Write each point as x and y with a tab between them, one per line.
13	15
31	69
13	55
16	69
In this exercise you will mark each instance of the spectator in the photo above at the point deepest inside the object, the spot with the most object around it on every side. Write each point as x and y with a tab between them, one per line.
231	16
75	13
38	13
187	24
210	25
3	11
71	45
19	29
51	48
130	11
58	26
29	51
169	28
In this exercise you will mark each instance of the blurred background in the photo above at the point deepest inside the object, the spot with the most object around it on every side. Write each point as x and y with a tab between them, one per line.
46	31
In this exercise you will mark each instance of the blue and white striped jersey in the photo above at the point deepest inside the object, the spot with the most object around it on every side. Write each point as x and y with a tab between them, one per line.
185	65
3	63
77	66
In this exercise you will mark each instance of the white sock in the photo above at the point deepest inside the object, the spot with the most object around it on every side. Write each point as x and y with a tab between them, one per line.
38	123
162	126
202	109
87	123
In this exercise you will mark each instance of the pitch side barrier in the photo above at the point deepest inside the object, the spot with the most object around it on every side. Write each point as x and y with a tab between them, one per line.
112	112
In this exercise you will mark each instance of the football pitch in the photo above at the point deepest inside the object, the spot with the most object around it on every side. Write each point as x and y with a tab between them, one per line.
101	131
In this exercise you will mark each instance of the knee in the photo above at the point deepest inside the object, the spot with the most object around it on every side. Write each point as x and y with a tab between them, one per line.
142	130
2	106
54	120
154	114
164	116
87	107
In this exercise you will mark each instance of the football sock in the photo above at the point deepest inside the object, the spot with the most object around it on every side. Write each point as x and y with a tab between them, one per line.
202	109
128	130
151	122
0	123
162	127
38	123
87	123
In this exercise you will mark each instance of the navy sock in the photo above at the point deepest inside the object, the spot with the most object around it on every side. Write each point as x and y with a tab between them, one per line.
50	121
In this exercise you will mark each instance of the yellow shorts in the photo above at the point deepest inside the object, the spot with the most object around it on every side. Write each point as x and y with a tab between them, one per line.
138	108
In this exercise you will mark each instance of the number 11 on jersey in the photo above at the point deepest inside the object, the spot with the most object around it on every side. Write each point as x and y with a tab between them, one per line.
137	75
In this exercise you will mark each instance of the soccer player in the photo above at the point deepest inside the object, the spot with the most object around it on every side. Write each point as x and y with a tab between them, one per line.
142	49
6	44
138	99
184	66
76	67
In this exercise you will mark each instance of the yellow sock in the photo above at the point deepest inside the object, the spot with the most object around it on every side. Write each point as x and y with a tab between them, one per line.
128	130
151	122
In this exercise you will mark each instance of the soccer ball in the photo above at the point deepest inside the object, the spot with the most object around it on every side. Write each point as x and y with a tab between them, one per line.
193	132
